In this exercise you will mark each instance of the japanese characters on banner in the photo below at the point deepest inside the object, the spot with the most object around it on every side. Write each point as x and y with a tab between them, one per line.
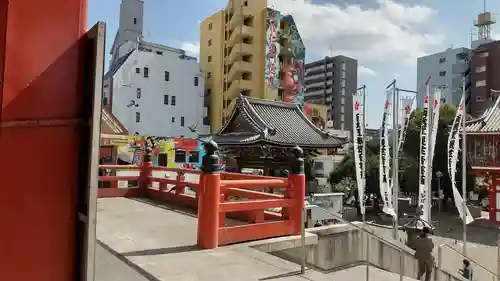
405	119
384	157
453	149
435	124
423	196
359	129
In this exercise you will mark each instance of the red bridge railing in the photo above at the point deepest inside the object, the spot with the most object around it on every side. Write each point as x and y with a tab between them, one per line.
220	197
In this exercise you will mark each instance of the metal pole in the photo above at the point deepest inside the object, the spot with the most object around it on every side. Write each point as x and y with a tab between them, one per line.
303	242
364	176
498	255
395	162
364	147
439	194
464	173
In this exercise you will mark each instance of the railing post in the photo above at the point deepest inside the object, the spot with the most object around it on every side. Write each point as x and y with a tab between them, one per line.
209	199
146	171
180	178
297	181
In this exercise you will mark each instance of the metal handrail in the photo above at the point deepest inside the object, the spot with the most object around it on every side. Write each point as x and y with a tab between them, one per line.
468	258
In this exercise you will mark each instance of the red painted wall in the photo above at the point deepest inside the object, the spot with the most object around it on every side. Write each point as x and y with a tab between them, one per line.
38	172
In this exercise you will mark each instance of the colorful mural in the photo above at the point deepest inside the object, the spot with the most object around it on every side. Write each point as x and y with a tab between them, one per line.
272	69
292	83
167	151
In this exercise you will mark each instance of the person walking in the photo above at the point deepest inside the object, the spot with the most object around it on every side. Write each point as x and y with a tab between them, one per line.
466	271
423	254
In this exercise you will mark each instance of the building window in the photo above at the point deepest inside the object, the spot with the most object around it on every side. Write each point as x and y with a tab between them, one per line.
138	93
167	76
146	72
180	156
172	100
442	60
137	117
194	156
173	120
209	42
209	58
209	75
245	3
104	101
480	69
484	54
210	26
480	83
163	159
137	70
442	73
196	81
479	98
135	20
182	121
165	99
206	121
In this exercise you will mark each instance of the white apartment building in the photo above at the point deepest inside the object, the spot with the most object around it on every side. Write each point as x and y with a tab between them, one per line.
153	89
445	70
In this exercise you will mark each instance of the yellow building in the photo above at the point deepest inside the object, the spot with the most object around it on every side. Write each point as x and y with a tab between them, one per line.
252	50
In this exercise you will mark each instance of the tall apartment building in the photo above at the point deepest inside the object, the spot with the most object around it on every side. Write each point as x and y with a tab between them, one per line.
249	49
332	81
153	89
445	70
485	76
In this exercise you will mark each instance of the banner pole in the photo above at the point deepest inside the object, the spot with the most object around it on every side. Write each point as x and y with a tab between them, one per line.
464	173
364	148
395	164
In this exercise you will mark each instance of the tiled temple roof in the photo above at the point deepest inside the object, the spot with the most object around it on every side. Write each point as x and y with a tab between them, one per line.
489	122
273	122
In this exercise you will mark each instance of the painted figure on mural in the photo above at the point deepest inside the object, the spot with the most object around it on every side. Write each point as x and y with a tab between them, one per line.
291	83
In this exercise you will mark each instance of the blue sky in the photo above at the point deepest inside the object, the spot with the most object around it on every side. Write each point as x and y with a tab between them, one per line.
385	36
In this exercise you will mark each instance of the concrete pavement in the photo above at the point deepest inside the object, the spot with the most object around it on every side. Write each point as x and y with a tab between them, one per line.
159	243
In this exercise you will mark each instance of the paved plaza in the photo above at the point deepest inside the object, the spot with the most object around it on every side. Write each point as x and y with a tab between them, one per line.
158	243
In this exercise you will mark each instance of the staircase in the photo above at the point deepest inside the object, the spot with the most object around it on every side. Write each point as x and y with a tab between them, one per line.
351	245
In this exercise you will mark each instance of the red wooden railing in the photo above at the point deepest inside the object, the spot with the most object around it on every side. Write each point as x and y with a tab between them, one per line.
211	194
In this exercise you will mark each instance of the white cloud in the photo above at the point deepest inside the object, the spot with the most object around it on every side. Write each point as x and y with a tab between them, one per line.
192	49
390	32
365	71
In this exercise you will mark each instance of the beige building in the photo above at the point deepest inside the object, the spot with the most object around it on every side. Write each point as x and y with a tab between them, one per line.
317	114
244	49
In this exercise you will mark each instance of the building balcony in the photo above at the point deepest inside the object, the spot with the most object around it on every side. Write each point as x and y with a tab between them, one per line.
237	87
237	69
238	50
238	34
238	17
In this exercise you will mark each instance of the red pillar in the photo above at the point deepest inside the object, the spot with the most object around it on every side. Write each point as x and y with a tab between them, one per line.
297	189
41	67
209	199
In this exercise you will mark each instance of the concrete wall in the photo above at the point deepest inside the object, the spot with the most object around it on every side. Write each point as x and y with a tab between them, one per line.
341	246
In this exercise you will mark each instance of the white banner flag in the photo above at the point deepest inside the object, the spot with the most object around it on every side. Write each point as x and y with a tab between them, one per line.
359	129
405	119
435	125
423	197
453	149
384	158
